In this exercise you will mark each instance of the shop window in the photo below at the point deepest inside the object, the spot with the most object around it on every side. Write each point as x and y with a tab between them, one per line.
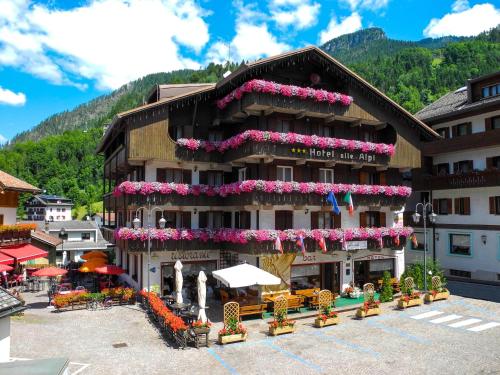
460	273
461	130
284	173
460	244
463	166
190	272
462	206
283	220
444	132
442	169
326	175
85	236
242	220
305	277
442	206
495	205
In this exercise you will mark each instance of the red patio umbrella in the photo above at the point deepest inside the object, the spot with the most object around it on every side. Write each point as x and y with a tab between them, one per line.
109	269
4	267
50	272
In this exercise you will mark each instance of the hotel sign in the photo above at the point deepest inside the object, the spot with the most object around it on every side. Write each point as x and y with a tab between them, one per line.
375	257
354	157
357	245
191	255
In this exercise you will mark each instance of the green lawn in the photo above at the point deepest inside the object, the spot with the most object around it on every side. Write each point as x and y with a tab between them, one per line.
80	212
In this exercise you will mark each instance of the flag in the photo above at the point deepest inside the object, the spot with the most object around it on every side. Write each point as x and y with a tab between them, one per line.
414	240
331	199
350	205
344	243
396	240
380	242
278	246
322	244
300	243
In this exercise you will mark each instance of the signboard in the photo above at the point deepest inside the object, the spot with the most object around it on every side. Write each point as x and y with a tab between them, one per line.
355	157
189	255
375	257
317	257
357	245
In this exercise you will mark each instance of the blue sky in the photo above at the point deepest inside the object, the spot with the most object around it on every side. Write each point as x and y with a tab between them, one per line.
55	54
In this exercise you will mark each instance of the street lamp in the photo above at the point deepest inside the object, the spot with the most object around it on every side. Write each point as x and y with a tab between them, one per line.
62	235
432	218
137	223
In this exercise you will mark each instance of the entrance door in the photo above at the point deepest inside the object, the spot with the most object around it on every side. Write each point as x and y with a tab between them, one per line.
360	273
331	276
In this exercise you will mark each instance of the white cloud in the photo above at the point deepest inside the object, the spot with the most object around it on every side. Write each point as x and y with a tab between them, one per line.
296	14
460	5
3	139
11	98
110	41
366	4
347	25
467	22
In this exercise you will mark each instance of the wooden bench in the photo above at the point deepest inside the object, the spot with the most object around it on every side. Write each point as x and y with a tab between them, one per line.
253	310
295	302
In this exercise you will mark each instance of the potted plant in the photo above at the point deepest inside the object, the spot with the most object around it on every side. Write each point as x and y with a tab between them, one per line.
409	299
234	331
326	317
369	308
436	294
352	292
200	328
281	324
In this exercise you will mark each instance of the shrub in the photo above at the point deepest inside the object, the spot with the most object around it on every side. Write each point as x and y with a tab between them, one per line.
386	292
417	272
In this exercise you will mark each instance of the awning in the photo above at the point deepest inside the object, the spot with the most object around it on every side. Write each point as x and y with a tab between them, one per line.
5	259
24	252
245	275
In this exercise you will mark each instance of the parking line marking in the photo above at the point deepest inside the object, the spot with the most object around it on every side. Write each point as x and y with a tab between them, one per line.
293	356
398	332
347	343
427	314
483	327
221	361
464	323
446	318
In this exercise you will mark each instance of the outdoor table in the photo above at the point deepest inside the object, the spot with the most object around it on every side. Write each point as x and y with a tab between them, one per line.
178	307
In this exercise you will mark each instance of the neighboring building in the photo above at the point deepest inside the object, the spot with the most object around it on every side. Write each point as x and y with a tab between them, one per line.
153	143
10	188
68	240
45	207
9	305
99	219
461	177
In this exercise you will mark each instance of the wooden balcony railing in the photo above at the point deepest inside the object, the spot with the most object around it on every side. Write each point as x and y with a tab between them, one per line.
458	181
471	141
9	234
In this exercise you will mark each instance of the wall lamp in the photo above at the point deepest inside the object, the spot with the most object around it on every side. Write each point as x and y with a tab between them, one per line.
483	239
195	168
195	211
306	211
437	236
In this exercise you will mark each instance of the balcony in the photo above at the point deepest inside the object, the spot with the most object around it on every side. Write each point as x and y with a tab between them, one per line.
116	163
471	141
16	233
458	181
254	150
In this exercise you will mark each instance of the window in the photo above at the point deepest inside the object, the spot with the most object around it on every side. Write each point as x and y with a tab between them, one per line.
495	205
460	244
367	135
462	129
282	126
305	276
495	123
372	219
492	90
85	236
284	174
493	163
442	169
242	220
326	175
460	273
443	206
444	132
425	196
173	175
283	220
463	166
462	206
175	132
58	210
215	178
215	136
420	242
372	178
242	174
214	219
1	219
63	209
325	131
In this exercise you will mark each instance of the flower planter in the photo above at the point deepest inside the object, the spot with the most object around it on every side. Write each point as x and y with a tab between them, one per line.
227	339
201	330
361	313
319	323
274	331
402	304
439	296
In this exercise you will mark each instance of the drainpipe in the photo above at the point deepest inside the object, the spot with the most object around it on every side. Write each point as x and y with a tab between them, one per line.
433	233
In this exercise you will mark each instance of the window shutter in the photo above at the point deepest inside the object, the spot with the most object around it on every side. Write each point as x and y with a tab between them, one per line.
203	177
487	124
203	219
289	219
471	165
237	224
362	219
382	178
297	173
314	220
434	170
186	176
272	172
157	219
363	178
435	205
227	220
454	131
160	174
467	206
245	220
489	163
315	175
492	205
337	221
469	128
457	206
455	167
383	221
186	220
450	205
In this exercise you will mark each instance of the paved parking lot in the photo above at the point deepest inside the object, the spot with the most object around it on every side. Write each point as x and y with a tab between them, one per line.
459	336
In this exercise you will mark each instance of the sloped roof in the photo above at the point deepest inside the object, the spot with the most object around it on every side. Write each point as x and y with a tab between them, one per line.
46	238
9	304
9	182
160	92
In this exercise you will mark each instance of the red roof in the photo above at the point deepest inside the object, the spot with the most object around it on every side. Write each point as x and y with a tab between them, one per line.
5	259
24	252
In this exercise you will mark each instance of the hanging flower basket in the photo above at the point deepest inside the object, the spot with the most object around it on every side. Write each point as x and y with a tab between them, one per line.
434	295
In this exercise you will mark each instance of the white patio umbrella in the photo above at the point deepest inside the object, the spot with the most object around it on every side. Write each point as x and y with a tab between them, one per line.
202	296
178	281
64	258
244	275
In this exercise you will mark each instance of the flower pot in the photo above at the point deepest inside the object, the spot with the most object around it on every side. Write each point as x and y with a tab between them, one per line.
318	322
442	295
361	313
232	338
402	304
201	330
274	331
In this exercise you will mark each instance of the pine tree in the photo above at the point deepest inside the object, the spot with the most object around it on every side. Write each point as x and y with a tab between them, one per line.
386	292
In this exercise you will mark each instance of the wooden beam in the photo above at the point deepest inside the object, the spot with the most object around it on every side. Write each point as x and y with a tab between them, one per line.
381	126
404	170
382	168
267	112
300	115
300	162
268	159
357	166
355	124
330	164
329	119
237	164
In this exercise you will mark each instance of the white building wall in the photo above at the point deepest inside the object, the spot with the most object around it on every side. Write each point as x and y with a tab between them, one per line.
5	339
477	156
9	215
51	213
477	121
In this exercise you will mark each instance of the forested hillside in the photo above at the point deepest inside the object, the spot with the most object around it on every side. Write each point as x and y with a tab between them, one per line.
58	154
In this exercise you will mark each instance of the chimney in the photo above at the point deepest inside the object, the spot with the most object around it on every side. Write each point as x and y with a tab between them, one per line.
47	226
